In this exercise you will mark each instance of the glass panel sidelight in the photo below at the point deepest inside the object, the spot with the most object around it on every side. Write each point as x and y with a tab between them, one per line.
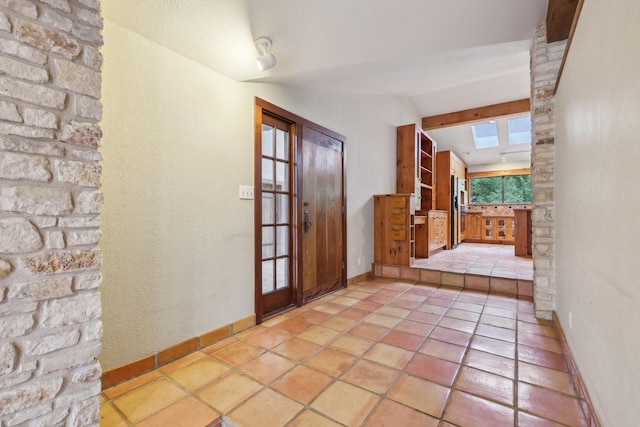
268	208
282	145
268	242
267	140
282	276
283	240
282	176
276	209
267	174
282	210
267	276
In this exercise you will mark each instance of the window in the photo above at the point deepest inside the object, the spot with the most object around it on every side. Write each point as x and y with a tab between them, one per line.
520	130
501	189
485	135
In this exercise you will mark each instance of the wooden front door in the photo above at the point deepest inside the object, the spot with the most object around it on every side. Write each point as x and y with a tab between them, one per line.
321	213
300	225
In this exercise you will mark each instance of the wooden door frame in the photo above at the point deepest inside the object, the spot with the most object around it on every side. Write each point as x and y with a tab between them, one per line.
264	107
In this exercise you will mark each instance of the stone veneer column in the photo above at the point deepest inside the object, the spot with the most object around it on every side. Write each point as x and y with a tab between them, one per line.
50	106
545	63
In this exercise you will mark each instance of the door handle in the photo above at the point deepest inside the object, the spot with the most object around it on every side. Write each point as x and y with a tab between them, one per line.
307	224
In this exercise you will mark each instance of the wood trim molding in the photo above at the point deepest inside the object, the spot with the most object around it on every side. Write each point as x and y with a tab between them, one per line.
476	114
263	107
116	375
576	379
360	278
523	171
560	15
574	24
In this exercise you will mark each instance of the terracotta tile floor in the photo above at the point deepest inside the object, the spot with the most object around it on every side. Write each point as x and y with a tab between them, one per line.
481	259
380	353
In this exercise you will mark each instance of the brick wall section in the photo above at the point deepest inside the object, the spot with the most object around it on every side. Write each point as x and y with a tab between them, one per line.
545	63
50	81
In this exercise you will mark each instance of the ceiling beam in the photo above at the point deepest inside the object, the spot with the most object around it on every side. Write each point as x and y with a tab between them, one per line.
476	114
560	15
574	24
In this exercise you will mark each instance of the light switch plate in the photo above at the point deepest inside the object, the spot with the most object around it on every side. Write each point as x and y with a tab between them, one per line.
246	192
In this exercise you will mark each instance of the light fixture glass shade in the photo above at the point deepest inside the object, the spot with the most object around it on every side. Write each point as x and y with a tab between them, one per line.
266	62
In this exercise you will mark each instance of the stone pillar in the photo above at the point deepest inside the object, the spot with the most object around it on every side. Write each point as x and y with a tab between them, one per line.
545	63
50	81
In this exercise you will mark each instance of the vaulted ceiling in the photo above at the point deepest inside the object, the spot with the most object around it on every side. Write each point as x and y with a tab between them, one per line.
444	55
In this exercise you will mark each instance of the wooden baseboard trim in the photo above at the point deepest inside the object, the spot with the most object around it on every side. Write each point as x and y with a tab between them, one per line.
576	379
130	370
360	278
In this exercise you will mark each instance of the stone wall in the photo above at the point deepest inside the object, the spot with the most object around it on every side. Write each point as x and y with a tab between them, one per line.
50	82
545	63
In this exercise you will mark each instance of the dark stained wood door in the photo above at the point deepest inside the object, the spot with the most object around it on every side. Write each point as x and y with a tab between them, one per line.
321	214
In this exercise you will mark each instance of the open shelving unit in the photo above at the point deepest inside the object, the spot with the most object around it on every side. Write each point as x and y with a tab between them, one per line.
427	153
416	166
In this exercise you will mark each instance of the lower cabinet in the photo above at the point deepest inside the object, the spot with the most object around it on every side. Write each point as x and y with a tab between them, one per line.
431	233
498	228
438	226
473	226
394	229
400	235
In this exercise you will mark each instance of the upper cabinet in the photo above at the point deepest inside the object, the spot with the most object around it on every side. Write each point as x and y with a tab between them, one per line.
416	166
450	166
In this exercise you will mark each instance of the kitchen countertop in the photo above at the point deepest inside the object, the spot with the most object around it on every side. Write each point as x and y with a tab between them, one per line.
488	214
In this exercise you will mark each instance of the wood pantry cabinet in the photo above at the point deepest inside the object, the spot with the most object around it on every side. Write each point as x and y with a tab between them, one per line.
416	166
394	229
451	170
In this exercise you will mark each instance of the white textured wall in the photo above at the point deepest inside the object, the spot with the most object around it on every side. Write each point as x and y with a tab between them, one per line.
597	173
178	141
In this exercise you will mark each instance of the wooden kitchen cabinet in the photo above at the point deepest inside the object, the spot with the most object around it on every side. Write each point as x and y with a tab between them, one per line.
394	229
416	166
473	226
523	232
451	169
438	230
431	232
498	229
505	227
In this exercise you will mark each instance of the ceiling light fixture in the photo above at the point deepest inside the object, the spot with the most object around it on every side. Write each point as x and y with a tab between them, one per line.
266	60
503	156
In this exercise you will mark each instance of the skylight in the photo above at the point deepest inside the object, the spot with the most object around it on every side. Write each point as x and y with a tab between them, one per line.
520	130
485	135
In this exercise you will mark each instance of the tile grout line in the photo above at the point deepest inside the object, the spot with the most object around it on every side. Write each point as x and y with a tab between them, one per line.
383	396
404	291
516	374
464	356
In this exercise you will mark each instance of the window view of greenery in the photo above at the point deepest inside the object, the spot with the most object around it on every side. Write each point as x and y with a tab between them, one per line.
501	189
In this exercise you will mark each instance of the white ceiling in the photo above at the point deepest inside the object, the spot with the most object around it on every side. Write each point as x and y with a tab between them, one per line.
445	55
